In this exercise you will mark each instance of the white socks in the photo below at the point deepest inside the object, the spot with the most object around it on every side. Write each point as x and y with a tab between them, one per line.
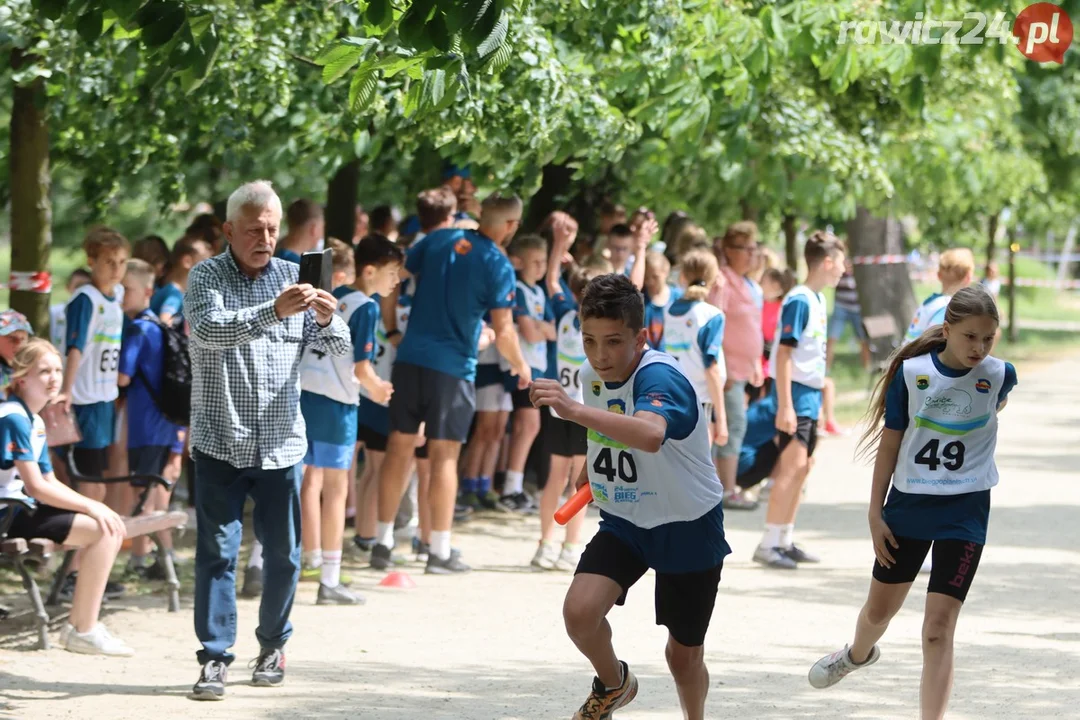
255	561
787	535
515	483
313	558
384	534
440	544
331	568
778	536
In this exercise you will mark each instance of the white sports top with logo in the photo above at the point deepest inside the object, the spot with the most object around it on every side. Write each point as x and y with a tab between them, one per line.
808	357
571	356
96	379
11	485
535	354
334	377
385	351
924	314
676	484
948	447
681	342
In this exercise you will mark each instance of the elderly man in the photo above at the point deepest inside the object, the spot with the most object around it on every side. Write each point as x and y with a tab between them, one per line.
250	321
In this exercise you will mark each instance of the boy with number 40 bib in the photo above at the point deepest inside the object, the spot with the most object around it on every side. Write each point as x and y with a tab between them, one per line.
660	501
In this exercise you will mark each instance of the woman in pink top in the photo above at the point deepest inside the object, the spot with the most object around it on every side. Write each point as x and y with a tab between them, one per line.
741	300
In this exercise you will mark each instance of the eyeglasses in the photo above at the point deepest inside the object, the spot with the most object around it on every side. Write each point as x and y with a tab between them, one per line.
747	248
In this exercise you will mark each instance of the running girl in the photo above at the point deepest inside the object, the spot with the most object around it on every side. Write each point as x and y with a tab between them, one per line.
939	399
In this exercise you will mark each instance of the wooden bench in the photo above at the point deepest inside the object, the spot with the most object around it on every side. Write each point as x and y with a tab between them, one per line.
884	337
24	553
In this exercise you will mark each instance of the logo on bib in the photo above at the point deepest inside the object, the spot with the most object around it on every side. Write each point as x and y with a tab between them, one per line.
922	381
599	492
982	385
689	323
950	402
538	309
616	406
596	389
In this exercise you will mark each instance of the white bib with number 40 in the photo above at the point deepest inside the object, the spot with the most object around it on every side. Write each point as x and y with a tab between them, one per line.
948	447
676	484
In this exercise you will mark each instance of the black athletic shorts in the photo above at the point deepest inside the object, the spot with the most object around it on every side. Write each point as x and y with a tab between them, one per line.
767	455
564	438
372	439
421	452
684	601
520	398
47	523
91	462
953	566
805	432
444	403
149	460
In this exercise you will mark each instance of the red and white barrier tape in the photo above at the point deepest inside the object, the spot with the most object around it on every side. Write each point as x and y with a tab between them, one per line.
879	259
31	281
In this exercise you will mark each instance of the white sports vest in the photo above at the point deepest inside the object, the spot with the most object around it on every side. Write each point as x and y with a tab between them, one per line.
11	485
676	484
535	354
385	351
95	380
808	357
924	314
681	342
948	447
334	377
571	356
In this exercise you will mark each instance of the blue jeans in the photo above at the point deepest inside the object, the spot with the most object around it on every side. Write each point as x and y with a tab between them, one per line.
220	493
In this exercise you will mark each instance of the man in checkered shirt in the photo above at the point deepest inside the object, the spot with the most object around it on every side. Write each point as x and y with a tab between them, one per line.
250	321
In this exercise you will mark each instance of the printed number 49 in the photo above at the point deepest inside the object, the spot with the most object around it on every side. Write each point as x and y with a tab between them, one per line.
623	466
952	455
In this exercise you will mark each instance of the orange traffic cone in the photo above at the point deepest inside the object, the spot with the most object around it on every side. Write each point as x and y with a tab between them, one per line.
397	580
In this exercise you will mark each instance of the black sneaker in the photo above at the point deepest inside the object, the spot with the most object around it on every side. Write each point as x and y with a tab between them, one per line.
113	590
421	549
362	544
211	683
799	555
450	566
269	668
462	513
381	557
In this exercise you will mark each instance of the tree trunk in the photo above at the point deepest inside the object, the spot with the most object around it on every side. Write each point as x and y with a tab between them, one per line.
791	244
341	202
991	239
554	194
883	289
749	212
31	211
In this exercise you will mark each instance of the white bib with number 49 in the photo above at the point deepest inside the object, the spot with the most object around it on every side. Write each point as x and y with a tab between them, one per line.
676	484
948	447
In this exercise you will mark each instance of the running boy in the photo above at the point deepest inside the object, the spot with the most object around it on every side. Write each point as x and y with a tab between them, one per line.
94	327
956	269
661	503
797	366
331	393
940	399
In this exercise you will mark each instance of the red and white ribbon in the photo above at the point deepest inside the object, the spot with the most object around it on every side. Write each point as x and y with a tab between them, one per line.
879	259
31	281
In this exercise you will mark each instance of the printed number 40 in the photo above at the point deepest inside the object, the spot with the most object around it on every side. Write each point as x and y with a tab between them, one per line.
623	466
952	455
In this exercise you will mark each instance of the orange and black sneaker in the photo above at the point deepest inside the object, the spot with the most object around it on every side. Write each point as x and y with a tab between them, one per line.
602	703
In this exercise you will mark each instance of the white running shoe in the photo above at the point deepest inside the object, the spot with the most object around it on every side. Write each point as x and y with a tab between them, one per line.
98	641
831	669
568	558
547	555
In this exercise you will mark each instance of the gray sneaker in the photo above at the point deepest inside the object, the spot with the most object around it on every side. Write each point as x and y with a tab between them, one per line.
450	566
253	583
211	682
339	595
831	669
774	558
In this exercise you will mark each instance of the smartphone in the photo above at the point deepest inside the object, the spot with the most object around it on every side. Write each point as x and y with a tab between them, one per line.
317	269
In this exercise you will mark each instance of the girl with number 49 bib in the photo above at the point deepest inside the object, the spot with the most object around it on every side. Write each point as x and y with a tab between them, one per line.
940	400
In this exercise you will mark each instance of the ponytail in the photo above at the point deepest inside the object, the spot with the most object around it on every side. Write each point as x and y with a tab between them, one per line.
699	270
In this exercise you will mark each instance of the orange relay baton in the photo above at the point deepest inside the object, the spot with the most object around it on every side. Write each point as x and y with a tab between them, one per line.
574	505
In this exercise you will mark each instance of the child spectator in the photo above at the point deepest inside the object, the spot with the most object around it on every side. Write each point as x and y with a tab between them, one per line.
775	284
331	393
535	326
57	320
15	330
153	250
150	437
956	269
168	300
63	515
344	263
306	227
659	296
94	326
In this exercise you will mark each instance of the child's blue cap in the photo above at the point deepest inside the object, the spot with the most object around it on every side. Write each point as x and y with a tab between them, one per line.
12	321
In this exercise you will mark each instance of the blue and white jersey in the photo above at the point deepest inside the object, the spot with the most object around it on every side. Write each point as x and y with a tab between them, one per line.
676	484
531	302
931	312
22	437
694	335
335	377
95	325
803	324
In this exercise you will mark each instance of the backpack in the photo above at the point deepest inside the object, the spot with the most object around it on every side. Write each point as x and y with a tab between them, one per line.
173	399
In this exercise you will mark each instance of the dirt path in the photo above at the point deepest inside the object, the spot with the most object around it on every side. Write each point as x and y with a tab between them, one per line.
491	645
